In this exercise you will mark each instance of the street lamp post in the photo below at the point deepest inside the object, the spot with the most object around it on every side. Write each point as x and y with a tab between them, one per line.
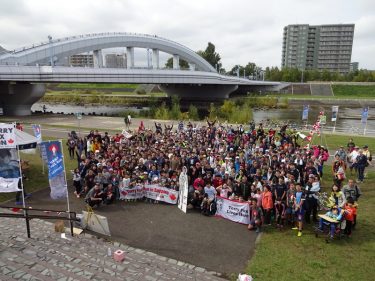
50	49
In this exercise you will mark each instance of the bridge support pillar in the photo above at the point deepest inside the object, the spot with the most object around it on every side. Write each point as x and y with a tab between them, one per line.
98	59
129	57
199	92
191	66
17	99
155	58
176	62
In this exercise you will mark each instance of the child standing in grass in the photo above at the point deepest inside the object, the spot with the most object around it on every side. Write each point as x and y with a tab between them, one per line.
350	213
299	209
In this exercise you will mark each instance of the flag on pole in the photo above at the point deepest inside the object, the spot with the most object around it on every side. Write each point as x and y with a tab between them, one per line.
56	169
37	132
305	112
9	160
364	115
335	110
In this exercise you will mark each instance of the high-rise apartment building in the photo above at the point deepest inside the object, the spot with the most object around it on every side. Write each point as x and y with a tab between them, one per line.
115	60
318	47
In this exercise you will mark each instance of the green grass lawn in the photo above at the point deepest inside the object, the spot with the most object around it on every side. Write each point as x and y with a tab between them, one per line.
36	180
353	91
284	256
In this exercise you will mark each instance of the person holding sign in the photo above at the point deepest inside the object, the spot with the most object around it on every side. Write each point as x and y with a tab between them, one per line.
256	215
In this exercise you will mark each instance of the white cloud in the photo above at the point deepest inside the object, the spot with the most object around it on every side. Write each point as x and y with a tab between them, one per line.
242	30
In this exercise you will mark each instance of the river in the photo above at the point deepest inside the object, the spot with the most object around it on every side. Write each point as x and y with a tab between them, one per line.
348	121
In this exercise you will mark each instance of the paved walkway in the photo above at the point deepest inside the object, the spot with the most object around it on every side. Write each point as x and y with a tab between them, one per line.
46	256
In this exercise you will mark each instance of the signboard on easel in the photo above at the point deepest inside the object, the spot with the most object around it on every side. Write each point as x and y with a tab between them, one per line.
96	223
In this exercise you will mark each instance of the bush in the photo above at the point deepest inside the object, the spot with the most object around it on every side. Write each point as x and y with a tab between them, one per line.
193	112
140	91
162	112
175	112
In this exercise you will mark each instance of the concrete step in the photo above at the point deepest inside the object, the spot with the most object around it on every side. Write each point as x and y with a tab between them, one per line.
46	256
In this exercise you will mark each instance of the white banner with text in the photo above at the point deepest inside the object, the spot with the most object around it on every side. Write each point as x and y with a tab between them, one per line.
233	210
150	191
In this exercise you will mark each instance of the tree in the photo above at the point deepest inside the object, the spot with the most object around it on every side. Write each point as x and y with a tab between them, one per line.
175	112
251	69
193	112
211	56
326	75
183	64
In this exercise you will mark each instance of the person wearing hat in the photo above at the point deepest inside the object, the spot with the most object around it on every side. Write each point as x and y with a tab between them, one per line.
336	214
367	152
341	153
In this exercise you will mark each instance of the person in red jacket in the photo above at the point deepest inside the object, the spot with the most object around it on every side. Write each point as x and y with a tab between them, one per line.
350	213
267	204
198	182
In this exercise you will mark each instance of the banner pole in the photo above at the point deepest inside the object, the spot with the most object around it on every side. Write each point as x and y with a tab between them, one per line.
41	139
22	191
364	131
66	187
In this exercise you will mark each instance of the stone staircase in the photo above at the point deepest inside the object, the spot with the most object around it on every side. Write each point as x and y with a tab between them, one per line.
47	256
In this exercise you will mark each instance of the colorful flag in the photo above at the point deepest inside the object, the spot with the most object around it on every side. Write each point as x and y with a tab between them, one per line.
305	112
37	132
56	169
364	115
335	111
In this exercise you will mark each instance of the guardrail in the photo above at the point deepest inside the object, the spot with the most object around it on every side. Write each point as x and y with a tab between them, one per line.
71	216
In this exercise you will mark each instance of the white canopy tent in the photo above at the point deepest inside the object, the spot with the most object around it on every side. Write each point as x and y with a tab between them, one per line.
25	140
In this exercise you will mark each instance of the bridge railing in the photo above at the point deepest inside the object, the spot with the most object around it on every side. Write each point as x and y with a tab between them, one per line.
89	35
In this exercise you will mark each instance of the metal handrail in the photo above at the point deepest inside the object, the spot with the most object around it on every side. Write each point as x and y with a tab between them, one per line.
72	216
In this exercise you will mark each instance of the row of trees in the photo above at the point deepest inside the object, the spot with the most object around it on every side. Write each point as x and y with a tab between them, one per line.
252	71
296	75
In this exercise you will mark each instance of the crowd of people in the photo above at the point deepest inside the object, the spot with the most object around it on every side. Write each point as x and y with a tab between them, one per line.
273	170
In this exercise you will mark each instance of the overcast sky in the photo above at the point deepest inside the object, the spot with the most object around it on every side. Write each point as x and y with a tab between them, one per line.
242	30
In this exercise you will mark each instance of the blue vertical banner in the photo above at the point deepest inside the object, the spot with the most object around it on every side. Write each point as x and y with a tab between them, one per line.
37	132
56	169
305	112
364	115
335	111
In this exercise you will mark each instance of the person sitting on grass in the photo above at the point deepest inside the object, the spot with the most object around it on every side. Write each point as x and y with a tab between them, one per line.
336	214
256	215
